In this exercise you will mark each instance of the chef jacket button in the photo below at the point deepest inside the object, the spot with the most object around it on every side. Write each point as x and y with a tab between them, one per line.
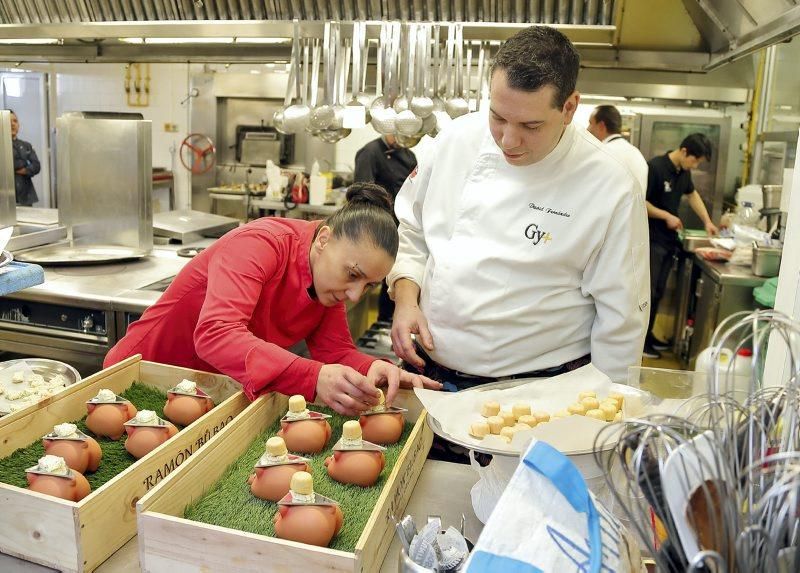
643	305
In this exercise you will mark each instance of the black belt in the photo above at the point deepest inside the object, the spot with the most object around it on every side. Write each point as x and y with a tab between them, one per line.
462	380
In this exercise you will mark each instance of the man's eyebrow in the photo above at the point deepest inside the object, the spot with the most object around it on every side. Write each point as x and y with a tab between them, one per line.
529	122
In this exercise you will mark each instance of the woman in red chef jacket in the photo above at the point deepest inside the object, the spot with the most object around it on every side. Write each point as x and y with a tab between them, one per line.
239	304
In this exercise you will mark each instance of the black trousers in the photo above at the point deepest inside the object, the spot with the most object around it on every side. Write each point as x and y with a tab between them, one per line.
661	258
385	304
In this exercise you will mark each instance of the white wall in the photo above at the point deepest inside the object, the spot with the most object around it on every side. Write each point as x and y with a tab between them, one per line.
345	150
100	87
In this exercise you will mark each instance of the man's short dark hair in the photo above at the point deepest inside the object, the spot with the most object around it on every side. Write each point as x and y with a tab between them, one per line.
539	56
610	117
697	145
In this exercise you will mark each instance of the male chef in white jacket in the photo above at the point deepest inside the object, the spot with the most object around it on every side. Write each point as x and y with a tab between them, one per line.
523	242
605	124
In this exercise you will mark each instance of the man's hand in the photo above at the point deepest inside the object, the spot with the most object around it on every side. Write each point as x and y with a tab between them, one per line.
21	171
386	374
408	320
673	223
345	390
711	229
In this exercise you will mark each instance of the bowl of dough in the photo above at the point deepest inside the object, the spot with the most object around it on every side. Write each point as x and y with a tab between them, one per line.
26	381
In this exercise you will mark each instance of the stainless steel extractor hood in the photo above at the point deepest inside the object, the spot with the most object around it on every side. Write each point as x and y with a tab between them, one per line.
680	35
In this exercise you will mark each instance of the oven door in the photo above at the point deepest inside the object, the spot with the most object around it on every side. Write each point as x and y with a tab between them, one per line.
81	337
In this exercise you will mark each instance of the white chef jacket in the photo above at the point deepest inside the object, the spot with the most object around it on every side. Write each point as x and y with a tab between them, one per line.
630	156
525	268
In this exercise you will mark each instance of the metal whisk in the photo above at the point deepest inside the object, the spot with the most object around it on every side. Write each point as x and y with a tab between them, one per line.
716	487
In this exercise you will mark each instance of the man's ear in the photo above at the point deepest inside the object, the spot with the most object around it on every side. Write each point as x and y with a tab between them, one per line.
570	107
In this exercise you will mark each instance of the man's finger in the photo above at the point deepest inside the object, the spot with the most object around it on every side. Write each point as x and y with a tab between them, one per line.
425	334
409	352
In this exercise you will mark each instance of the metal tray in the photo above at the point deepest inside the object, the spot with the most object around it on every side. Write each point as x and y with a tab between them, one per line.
67	255
5	258
437	429
44	367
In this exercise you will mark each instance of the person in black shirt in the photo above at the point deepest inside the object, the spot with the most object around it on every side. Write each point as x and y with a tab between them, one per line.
381	161
669	178
26	165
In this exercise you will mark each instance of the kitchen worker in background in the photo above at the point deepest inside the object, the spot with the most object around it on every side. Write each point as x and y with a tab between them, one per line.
240	304
26	165
605	124
522	242
383	162
669	179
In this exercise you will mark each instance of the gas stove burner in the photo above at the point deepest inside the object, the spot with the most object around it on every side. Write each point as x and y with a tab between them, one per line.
189	252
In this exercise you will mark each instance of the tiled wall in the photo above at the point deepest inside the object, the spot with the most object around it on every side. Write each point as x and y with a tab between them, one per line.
100	87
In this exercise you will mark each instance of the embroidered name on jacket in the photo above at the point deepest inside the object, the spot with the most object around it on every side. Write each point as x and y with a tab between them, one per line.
548	210
536	235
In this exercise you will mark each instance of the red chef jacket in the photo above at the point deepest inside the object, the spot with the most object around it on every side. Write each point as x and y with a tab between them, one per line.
236	308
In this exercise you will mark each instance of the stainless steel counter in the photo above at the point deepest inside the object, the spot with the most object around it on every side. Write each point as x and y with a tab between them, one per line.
104	285
728	274
443	489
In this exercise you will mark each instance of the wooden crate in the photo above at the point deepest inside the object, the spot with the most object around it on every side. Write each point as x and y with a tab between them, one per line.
80	536
168	542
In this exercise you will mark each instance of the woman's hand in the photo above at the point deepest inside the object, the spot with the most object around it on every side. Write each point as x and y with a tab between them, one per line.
345	390
386	374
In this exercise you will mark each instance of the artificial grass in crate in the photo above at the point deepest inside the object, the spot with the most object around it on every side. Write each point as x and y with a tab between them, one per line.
116	458
230	503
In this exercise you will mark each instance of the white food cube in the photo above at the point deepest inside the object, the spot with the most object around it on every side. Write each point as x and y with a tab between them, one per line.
18	377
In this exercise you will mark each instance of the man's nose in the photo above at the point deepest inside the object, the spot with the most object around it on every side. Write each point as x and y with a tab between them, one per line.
510	138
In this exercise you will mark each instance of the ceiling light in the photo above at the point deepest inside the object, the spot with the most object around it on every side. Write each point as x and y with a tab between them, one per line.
603	97
262	40
30	41
177	40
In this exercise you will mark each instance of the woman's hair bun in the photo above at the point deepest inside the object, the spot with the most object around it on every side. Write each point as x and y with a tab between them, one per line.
369	194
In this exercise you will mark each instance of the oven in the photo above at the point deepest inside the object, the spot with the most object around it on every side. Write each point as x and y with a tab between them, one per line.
126	313
79	334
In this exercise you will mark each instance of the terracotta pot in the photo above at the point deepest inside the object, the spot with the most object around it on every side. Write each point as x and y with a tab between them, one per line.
80	455
312	524
382	428
108	419
144	439
272	483
306	436
182	409
74	488
360	467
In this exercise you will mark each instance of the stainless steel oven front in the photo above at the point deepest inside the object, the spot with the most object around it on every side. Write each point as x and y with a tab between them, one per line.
79	334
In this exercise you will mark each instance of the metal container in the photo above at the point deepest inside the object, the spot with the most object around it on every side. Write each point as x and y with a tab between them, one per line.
693	239
105	179
8	196
766	261
772	196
